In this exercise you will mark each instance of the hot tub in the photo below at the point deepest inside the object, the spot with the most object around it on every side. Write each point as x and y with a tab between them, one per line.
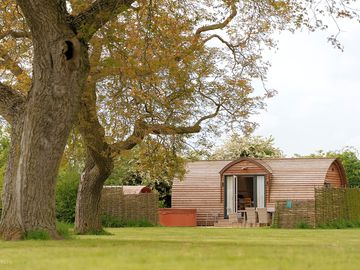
171	217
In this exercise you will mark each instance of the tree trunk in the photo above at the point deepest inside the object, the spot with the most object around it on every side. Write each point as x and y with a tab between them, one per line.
11	226
88	216
60	68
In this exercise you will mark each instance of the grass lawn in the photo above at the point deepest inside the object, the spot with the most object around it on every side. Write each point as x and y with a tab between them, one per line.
190	248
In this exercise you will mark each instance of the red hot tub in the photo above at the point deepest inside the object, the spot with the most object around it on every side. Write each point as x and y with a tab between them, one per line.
171	217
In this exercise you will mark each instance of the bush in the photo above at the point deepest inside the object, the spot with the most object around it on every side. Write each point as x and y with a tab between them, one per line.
66	192
340	224
63	229
112	222
37	235
303	225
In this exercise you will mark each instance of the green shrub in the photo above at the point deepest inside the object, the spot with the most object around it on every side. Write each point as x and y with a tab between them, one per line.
66	192
340	224
112	222
303	225
95	232
37	235
140	223
63	229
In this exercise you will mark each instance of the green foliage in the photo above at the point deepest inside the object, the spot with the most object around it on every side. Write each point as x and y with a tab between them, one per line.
37	235
4	152
349	159
96	232
74	154
66	192
63	229
152	163
112	222
303	225
340	224
247	146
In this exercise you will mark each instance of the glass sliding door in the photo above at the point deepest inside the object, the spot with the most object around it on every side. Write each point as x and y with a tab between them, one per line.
230	195
260	191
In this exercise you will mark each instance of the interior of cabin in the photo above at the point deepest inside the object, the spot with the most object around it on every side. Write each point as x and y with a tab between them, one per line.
245	192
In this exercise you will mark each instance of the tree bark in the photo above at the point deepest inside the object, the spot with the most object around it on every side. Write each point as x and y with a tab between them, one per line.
60	68
98	164
88	216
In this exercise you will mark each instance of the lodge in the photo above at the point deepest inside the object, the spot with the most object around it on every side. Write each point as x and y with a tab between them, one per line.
220	188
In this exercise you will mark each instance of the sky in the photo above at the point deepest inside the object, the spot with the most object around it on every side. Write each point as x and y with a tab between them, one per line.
318	101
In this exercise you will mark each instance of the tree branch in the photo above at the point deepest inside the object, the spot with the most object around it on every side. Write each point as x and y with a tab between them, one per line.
12	65
134	139
173	130
12	103
15	34
92	132
97	15
142	129
221	25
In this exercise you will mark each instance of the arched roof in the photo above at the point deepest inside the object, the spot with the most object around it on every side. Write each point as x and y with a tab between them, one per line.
305	169
257	162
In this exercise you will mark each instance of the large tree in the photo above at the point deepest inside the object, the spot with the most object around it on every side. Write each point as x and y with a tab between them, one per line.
41	120
157	75
166	85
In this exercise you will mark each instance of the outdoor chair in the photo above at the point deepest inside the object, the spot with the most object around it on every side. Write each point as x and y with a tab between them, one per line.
251	217
263	216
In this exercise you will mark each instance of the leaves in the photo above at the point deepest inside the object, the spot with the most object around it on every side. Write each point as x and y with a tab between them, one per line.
255	147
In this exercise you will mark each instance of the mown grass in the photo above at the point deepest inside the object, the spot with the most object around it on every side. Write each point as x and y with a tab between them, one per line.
190	248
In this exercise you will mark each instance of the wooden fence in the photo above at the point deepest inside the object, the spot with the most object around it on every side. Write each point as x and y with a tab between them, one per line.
132	207
330	205
337	204
294	213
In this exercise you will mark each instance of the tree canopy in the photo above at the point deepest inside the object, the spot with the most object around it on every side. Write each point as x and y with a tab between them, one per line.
238	146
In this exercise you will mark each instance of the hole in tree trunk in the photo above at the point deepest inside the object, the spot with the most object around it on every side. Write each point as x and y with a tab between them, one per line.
69	53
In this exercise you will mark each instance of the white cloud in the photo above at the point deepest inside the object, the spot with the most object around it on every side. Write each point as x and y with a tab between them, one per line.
317	106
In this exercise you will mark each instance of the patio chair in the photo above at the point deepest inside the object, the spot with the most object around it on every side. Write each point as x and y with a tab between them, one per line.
263	216
251	217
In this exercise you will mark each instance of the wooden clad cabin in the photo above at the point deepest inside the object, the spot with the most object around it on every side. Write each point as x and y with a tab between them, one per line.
216	188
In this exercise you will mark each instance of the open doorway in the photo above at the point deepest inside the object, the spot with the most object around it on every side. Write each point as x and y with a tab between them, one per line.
245	192
241	191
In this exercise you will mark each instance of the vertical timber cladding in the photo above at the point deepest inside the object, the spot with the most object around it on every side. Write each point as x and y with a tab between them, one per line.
200	190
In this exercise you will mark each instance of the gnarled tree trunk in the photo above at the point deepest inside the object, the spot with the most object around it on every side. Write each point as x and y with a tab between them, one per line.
88	216
60	68
98	164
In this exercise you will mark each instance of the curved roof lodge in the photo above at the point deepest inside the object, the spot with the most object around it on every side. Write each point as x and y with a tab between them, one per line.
223	187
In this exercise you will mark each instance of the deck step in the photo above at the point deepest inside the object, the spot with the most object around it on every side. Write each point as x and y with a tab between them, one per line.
227	223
